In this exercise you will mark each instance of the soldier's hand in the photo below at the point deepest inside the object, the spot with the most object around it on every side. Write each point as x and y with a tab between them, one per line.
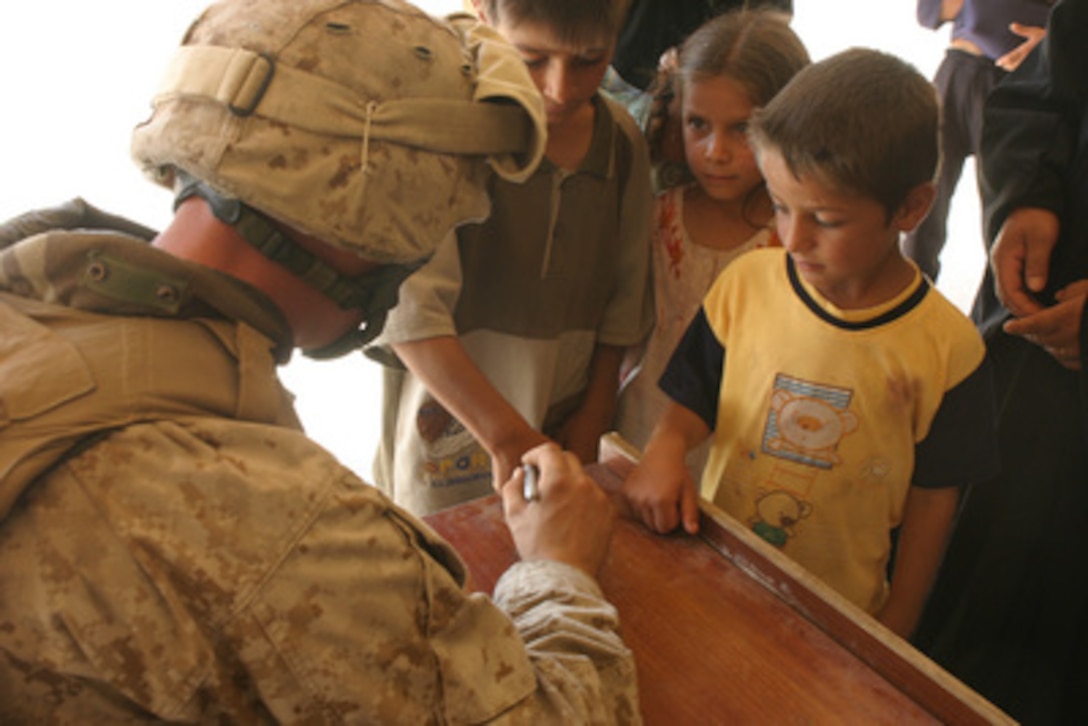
572	519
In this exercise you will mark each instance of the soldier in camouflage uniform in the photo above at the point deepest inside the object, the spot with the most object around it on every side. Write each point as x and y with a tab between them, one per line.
172	547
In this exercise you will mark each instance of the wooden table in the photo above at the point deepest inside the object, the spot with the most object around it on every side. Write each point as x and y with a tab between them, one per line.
725	629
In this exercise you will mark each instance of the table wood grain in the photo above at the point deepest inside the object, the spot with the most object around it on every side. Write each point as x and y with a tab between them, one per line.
726	630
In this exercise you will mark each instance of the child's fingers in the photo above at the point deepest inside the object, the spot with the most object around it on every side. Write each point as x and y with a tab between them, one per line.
646	514
689	509
666	516
664	519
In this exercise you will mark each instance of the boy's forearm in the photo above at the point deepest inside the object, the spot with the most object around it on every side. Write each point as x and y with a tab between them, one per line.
660	490
678	431
681	424
447	371
582	430
604	380
927	523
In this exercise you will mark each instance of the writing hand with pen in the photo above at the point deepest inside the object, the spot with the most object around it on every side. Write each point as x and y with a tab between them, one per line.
556	511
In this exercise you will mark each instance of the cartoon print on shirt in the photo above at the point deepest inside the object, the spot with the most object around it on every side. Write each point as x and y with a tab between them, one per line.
807	421
451	455
805	424
777	511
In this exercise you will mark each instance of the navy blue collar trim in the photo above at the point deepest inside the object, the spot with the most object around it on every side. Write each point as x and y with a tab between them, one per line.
884	318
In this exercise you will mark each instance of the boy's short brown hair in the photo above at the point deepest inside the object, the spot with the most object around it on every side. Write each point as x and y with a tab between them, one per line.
572	21
862	120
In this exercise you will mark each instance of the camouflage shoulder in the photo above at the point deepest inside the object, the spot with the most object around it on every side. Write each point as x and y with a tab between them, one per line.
74	214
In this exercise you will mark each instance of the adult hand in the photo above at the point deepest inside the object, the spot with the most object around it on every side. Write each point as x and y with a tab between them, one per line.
1021	258
1057	329
571	522
1032	35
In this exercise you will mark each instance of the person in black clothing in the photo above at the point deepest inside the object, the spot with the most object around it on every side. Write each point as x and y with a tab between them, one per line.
989	38
654	26
1008	612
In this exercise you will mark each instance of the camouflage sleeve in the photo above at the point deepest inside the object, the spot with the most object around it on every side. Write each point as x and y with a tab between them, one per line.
256	579
400	639
584	670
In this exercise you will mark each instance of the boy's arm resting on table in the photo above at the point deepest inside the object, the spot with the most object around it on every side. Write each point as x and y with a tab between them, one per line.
582	430
660	490
446	370
927	524
421	335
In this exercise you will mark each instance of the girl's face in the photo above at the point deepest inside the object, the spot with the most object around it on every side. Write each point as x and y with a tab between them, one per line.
715	115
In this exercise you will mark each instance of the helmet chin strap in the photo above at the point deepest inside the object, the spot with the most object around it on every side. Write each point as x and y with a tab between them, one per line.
374	293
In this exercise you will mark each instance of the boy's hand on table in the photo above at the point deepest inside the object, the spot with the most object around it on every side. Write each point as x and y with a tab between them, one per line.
660	490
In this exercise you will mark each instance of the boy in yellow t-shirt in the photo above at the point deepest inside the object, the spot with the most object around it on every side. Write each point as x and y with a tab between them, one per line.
847	399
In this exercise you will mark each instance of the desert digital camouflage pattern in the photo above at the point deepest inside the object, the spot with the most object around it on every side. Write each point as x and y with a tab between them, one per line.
173	548
360	122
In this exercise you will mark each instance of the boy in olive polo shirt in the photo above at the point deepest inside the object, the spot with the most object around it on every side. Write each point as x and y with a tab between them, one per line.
515	331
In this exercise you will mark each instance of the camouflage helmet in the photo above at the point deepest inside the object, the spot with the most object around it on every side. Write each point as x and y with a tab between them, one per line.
364	123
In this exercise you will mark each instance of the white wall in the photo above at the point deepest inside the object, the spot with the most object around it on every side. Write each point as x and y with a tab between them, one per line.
75	76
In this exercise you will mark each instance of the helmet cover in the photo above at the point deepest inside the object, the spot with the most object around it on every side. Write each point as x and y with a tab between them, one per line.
365	123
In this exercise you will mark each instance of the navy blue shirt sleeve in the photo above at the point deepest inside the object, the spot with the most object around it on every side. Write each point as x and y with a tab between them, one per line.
693	377
961	447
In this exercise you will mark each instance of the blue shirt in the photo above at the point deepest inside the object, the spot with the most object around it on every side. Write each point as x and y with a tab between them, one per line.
986	22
